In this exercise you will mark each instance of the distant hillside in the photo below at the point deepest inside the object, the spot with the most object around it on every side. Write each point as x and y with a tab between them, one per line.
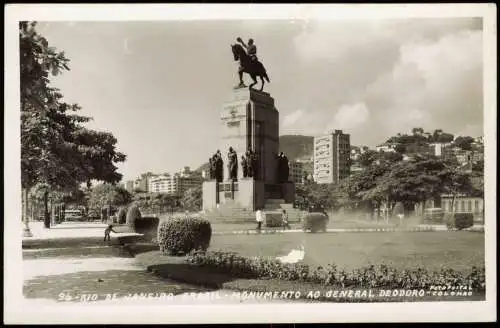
297	146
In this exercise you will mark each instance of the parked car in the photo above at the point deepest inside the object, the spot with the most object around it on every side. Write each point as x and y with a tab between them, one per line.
74	215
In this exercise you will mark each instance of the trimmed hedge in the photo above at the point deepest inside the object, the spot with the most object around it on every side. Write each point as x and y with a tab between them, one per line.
373	276
314	222
459	221
133	214
122	215
181	235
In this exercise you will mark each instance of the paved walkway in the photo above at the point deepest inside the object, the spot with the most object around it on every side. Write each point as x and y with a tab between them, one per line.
69	230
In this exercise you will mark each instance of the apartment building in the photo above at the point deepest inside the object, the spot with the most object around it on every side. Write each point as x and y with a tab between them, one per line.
332	157
296	172
175	184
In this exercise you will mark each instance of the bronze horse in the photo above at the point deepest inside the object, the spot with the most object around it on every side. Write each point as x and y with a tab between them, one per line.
247	65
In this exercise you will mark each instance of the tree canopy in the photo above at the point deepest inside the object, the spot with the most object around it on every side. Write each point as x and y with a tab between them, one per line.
107	194
418	179
56	148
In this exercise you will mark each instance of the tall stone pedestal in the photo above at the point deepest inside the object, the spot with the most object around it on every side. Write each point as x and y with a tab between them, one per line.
249	121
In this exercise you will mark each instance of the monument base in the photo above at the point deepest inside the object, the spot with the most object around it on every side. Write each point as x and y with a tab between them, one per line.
237	201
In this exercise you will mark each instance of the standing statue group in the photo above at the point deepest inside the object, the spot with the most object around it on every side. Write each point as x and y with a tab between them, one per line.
249	164
216	167
283	170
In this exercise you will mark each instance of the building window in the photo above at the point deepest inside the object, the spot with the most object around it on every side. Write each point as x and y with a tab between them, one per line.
476	206
469	206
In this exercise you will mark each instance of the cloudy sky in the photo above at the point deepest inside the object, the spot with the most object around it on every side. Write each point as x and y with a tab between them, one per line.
159	86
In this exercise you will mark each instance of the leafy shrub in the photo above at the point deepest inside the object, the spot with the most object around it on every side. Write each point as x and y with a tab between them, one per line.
133	214
314	222
180	235
273	220
459	221
372	276
122	215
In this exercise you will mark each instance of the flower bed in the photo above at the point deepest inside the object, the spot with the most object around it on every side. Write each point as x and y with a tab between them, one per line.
373	276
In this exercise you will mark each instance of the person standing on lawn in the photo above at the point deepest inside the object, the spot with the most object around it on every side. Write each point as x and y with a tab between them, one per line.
259	217
107	232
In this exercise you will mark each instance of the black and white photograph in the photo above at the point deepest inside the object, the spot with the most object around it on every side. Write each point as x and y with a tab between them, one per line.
250	163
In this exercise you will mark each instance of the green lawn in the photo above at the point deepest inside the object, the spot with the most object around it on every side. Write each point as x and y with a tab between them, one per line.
457	250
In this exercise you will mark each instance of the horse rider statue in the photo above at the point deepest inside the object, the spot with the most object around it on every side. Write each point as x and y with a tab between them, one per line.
249	63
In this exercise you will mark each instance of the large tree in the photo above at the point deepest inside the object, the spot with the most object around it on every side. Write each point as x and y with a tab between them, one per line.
56	148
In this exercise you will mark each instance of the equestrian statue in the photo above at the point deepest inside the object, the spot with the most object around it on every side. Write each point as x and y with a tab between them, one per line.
249	63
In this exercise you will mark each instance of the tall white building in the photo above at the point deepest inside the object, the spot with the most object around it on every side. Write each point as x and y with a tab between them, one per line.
332	157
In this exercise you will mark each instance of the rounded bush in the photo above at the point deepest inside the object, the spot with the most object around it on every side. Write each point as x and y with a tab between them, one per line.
133	214
122	215
315	222
181	235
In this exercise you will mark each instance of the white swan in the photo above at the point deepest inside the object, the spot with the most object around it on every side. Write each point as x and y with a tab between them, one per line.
295	255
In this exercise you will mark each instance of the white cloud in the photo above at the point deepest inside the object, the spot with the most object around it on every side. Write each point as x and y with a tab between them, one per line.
292	118
349	117
396	75
432	82
335	39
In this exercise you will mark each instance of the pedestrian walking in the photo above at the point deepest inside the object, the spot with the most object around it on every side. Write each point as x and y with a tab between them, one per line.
284	217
